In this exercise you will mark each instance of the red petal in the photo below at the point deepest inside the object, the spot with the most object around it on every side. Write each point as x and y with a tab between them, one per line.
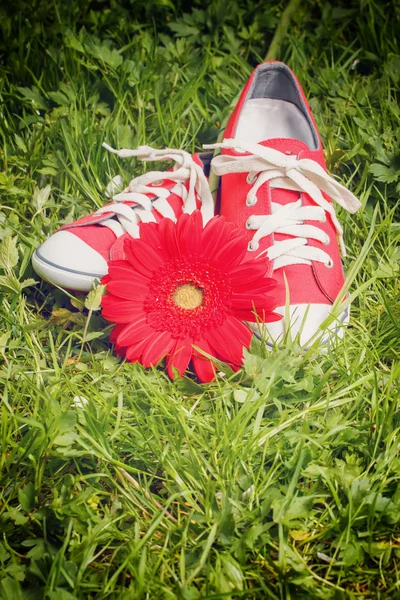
240	329
133	353
112	301
261	315
226	344
182	232
204	367
232	253
248	271
167	232
180	356
122	269
120	311
258	281
192	233
119	351
267	316
247	301
134	289
255	290
237	233
109	300
135	332
123	315
194	236
244	314
116	331
142	256
157	349
149	234
214	234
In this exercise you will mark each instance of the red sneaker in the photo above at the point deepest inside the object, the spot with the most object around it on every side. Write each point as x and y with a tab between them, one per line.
77	254
274	183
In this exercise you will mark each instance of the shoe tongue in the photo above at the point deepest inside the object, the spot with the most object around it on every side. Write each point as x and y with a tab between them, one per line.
294	147
287	145
291	147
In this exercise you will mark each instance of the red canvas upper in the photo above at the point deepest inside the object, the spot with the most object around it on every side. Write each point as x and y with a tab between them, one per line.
103	240
314	283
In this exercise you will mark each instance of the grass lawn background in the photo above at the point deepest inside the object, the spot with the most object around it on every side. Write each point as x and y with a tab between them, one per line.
279	482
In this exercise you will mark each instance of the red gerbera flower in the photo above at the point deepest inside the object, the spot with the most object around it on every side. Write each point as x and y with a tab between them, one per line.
184	290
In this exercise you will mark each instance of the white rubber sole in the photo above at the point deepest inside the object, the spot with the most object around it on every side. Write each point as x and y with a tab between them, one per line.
302	333
78	281
64	278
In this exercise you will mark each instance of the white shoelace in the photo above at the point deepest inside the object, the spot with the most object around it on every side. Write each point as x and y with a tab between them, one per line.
290	173
185	169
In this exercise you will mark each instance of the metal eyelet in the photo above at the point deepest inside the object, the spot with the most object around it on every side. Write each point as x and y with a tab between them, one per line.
251	203
252	247
327	241
250	179
248	224
329	264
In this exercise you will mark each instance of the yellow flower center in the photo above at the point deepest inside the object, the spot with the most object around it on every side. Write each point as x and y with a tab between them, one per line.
188	296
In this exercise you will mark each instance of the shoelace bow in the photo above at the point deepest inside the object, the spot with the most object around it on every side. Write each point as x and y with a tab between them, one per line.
290	173
185	169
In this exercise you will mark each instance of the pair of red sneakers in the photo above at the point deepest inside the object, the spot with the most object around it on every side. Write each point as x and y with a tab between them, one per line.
273	184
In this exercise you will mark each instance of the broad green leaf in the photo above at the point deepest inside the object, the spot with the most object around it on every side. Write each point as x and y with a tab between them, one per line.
93	335
26	497
71	40
299	534
10	283
61	594
352	554
298	508
110	56
17	516
183	30
37	547
65	439
93	299
20	143
8	253
60	98
34	96
232	571
4	554
63	315
240	395
41	196
386	174
28	283
48	171
3	340
10	589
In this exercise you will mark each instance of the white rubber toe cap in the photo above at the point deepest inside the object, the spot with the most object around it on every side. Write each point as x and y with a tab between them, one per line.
65	260
304	320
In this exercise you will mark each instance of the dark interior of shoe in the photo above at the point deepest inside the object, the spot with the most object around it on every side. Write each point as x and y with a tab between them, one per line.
206	158
274	108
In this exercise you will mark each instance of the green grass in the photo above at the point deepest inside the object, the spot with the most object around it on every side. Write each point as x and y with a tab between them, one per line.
280	482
